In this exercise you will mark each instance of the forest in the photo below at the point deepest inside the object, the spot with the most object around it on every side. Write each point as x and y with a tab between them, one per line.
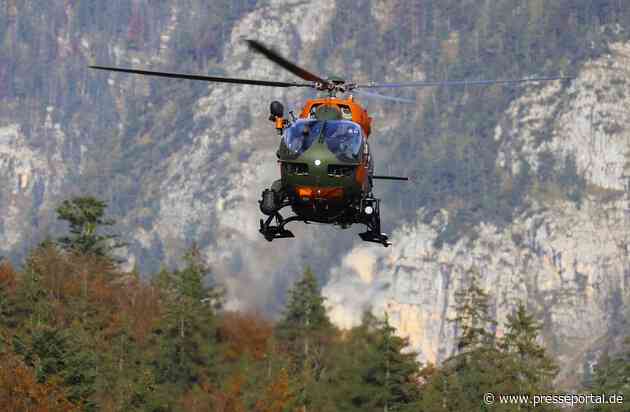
78	333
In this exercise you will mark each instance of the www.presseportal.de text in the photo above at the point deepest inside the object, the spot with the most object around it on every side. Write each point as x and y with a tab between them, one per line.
563	400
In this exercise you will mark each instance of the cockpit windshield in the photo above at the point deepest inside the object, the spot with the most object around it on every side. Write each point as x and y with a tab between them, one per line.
301	135
342	137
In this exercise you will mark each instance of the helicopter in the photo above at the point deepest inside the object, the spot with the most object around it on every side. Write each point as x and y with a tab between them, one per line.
326	163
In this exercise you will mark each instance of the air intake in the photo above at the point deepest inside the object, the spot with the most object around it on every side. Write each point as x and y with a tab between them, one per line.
340	170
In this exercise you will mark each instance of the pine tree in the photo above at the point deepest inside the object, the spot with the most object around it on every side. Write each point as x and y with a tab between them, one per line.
534	369
463	379
31	302
349	356
305	319
372	370
389	373
305	329
472	316
85	215
190	297
187	344
58	357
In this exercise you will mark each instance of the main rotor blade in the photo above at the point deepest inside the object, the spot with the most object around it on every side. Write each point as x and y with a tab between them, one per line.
284	63
204	78
383	97
458	82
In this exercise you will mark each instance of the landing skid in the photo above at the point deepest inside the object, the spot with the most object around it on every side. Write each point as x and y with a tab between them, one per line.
369	214
277	231
374	237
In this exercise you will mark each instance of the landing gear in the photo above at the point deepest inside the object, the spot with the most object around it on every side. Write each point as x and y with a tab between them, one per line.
270	205
277	231
370	211
273	227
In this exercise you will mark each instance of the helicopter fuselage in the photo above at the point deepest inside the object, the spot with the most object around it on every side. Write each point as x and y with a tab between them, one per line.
326	170
325	162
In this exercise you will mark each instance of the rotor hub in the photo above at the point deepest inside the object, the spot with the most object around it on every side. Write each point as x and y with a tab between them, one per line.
334	86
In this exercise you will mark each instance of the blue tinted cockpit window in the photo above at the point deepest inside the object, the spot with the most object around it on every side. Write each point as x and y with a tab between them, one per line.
344	139
301	135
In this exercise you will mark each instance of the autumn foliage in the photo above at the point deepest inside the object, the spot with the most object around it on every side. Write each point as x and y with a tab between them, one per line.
244	333
277	396
20	390
7	277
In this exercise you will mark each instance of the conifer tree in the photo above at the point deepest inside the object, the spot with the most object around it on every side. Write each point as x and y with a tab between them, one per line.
389	373
463	379
58	357
476	327
534	369
305	319
373	369
85	215
30	299
187	343
304	329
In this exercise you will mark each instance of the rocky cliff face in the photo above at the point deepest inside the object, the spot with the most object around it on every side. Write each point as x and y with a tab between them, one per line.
31	177
180	163
569	263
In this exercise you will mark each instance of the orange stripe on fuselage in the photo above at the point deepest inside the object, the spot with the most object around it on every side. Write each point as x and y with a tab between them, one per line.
315	192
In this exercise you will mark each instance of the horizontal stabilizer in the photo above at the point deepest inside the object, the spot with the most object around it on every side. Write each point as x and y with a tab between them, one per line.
390	177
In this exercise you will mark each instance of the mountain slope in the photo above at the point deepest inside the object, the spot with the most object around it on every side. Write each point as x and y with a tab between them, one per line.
532	171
